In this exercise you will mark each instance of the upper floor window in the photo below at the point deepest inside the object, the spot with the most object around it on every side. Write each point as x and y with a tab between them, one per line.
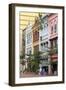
35	36
29	38
45	25
41	38
52	30
51	43
55	28
41	44
29	50
55	43
46	44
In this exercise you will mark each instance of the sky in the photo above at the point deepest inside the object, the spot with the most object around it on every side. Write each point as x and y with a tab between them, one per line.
25	18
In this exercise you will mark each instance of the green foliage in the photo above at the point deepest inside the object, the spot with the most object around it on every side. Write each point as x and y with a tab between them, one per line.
41	27
22	59
41	21
35	65
22	56
53	50
23	62
33	62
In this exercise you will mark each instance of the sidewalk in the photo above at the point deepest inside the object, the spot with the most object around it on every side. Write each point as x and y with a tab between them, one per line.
32	74
29	74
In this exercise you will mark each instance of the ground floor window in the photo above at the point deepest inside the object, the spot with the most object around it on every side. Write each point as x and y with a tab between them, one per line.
54	68
44	70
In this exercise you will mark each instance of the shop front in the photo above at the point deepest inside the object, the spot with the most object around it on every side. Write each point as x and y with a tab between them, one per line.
54	64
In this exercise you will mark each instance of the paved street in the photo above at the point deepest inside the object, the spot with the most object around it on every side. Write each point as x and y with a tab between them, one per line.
28	74
32	74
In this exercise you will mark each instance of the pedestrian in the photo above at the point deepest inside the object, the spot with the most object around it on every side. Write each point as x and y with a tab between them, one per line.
40	71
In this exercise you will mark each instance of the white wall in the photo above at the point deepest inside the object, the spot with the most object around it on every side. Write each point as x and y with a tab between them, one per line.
4	45
29	33
20	41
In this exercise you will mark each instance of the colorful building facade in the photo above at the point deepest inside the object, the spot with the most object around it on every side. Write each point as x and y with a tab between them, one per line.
43	45
53	40
28	40
44	40
35	31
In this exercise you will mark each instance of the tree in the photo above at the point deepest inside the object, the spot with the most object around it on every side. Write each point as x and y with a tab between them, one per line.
29	62
35	61
41	21
22	59
53	50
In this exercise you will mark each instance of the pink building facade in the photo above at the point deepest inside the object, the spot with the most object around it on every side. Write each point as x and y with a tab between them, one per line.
53	41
